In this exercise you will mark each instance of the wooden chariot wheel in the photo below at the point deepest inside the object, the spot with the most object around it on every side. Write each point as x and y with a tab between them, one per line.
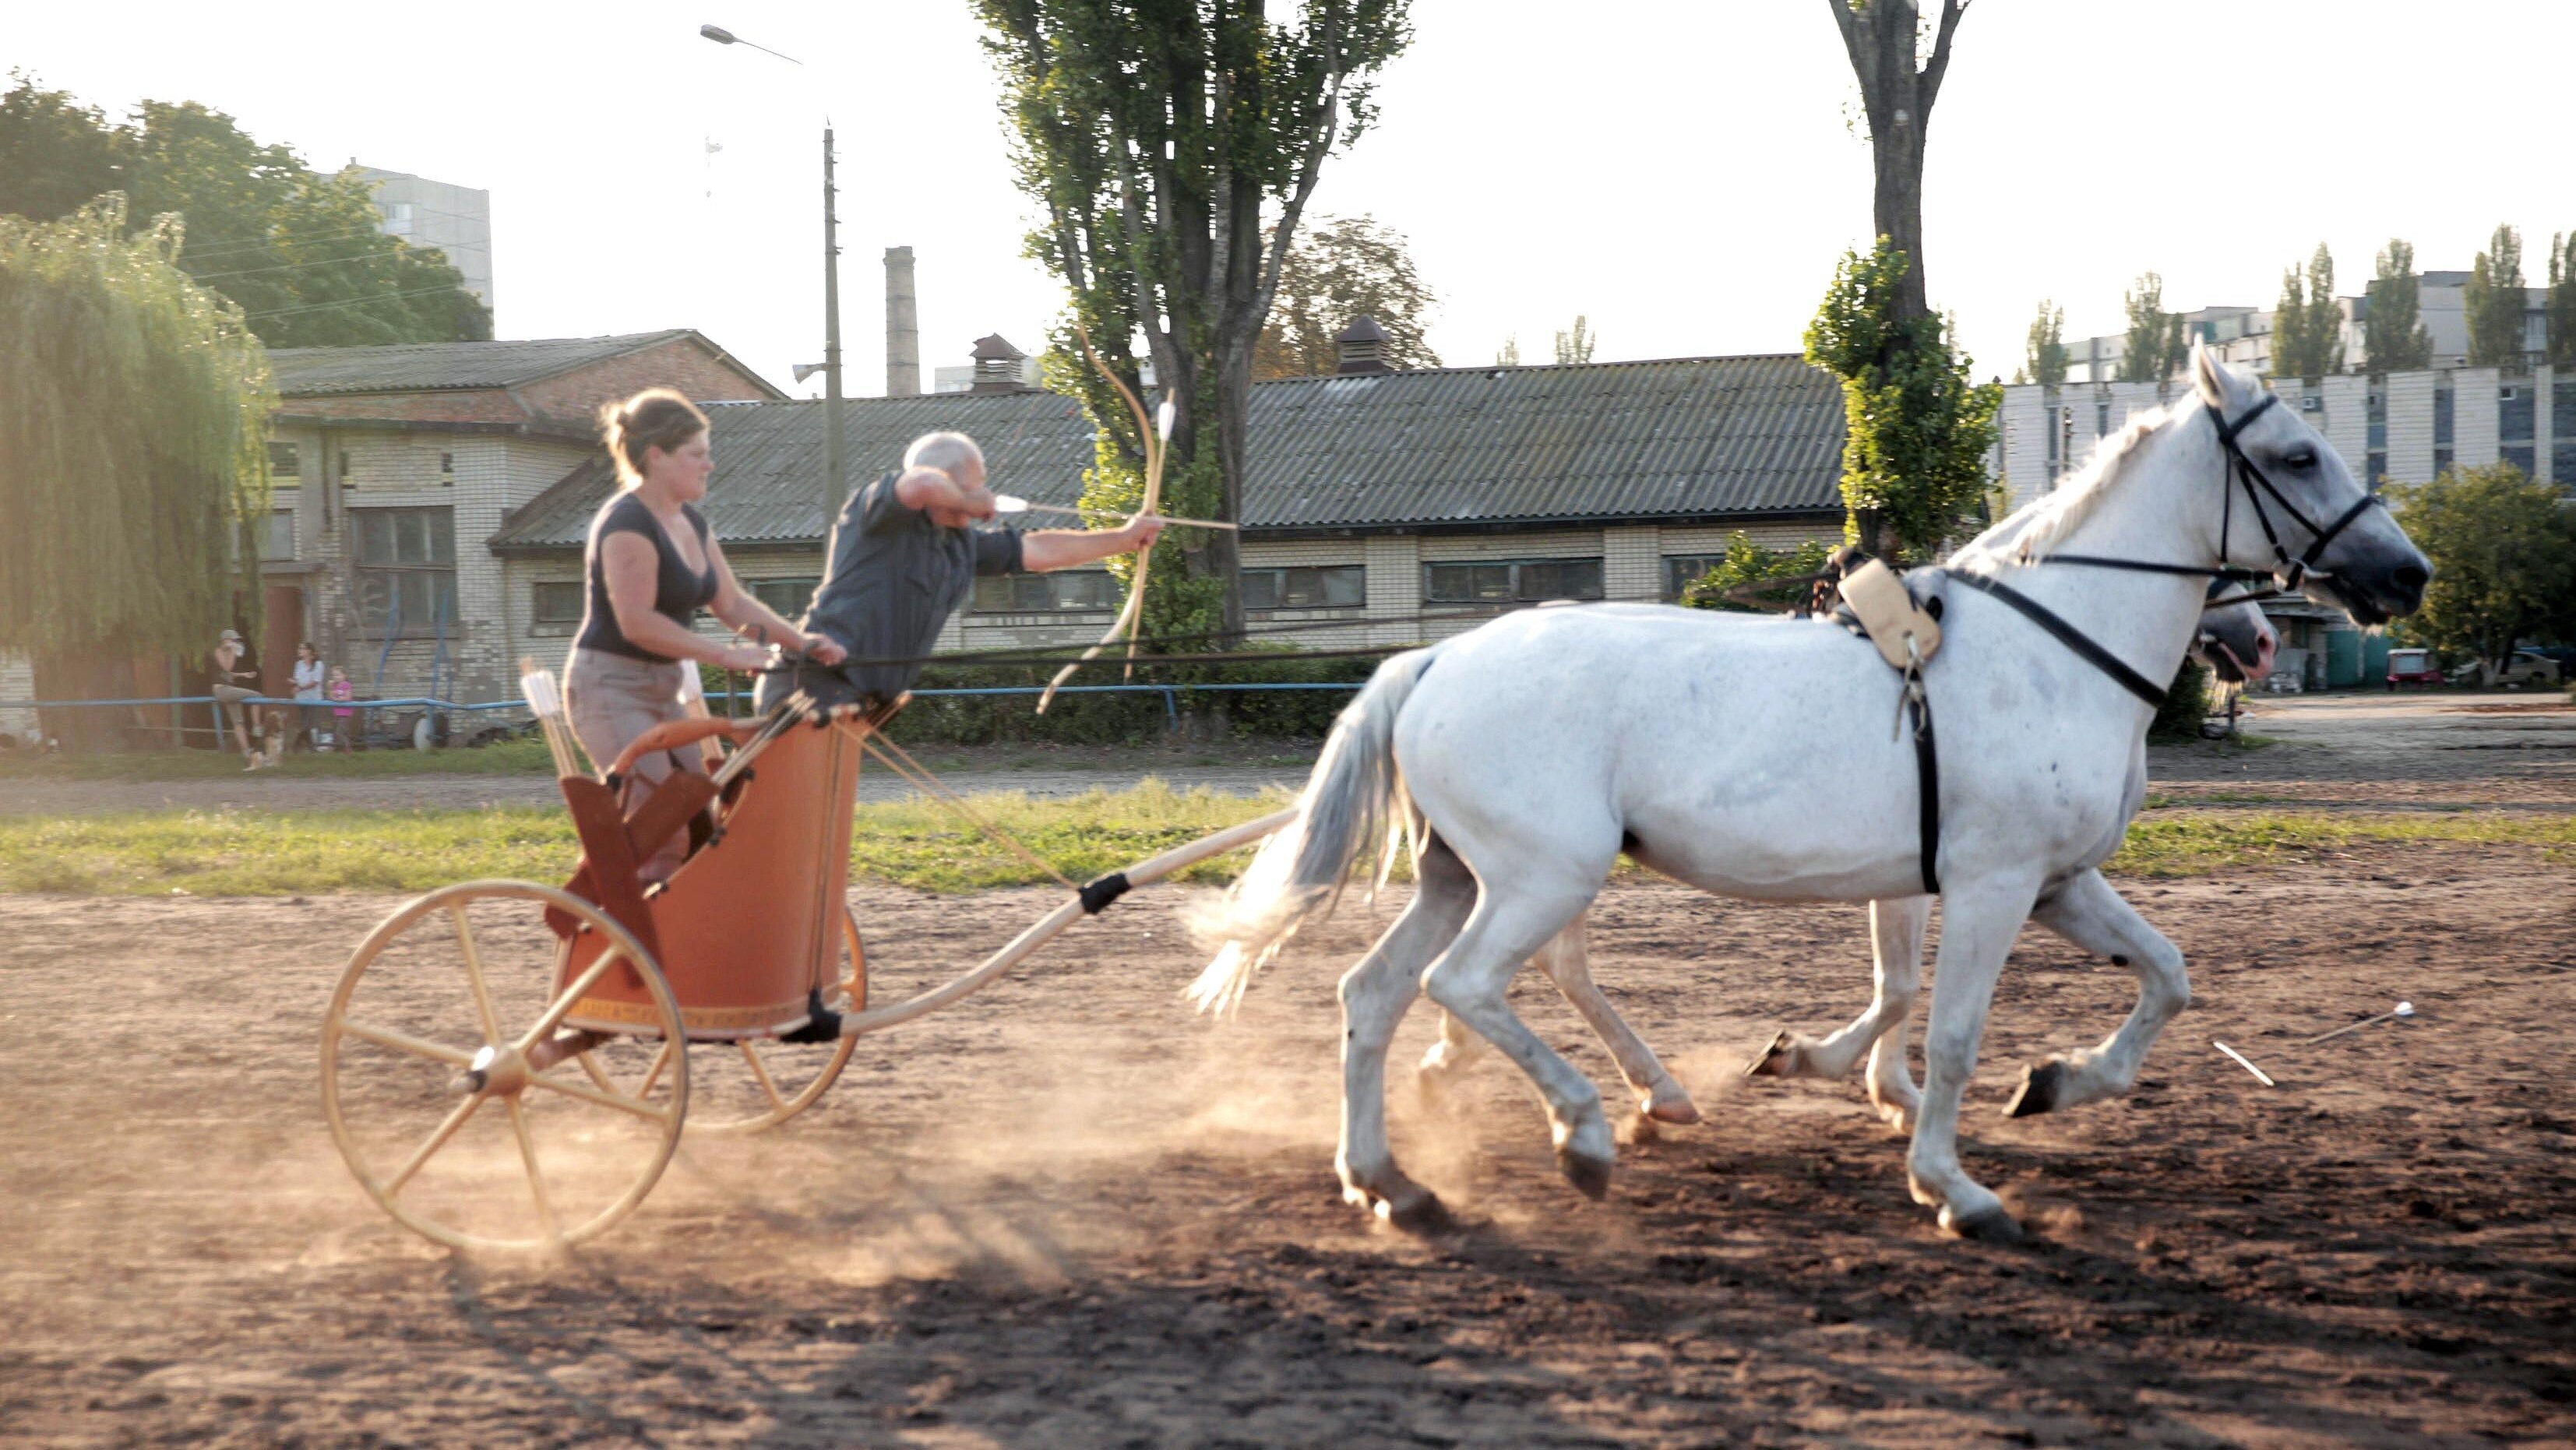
754	1084
446	1009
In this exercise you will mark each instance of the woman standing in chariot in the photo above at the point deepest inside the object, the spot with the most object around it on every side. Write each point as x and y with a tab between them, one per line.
652	563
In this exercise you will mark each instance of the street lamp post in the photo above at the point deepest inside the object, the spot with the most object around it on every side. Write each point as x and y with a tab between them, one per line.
831	497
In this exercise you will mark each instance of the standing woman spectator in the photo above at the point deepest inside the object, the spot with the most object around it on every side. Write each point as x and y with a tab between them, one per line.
652	564
308	688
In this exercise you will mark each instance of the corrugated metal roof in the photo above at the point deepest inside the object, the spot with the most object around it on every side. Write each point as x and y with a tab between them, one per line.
432	366
1686	438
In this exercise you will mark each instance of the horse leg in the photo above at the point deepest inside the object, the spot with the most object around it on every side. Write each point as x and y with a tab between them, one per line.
1375	995
1567	961
1895	935
2090	914
1509	923
1896	930
1978	924
1455	1048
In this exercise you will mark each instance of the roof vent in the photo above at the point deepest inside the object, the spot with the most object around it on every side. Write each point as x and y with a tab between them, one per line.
1362	346
999	366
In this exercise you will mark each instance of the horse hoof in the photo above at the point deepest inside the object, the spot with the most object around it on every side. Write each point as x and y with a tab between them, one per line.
1670	1104
1986	1225
1424	1217
1776	1059
1589	1175
2040	1087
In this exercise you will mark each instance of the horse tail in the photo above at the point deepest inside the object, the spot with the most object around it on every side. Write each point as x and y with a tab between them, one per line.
1299	872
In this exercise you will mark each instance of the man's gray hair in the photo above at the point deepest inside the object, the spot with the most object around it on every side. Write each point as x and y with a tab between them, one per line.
943	451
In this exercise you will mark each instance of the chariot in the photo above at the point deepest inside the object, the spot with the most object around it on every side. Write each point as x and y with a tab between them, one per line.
510	1065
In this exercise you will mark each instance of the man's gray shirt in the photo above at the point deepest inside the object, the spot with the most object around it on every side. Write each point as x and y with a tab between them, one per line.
892	579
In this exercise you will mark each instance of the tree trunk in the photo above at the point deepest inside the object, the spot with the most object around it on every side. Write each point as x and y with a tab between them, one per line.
1882	38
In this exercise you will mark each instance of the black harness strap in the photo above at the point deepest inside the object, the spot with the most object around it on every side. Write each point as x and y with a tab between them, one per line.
2068	635
1927	775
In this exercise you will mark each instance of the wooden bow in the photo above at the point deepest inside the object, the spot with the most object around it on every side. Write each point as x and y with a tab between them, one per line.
1132	616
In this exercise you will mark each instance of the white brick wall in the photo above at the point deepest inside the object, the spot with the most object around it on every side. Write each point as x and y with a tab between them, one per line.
1632	563
2025	423
2544	425
17	682
2346	422
2473	416
2410	426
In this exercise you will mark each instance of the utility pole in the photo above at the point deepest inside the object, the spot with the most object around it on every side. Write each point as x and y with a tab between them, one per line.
831	346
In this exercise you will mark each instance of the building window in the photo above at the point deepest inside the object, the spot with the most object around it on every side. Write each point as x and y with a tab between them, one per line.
555	607
1512	581
344	469
406	574
398	217
2441	461
2516	412
1066	591
1334	586
2378	465
1681	571
787	598
447	470
282	461
2442	418
278	543
2376	411
2562	464
2520	455
2562	407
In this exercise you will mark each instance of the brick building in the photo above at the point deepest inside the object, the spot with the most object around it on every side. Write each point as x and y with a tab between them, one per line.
394	465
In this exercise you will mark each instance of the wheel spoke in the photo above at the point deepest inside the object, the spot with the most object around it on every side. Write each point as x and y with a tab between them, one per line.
555	1011
653	1074
404	1041
761	1074
536	1176
474	973
437	1139
589	1094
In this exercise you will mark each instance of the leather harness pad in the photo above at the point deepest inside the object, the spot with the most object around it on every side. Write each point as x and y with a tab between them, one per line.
1888	614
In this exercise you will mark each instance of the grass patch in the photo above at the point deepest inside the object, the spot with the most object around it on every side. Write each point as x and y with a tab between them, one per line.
919	844
2197	843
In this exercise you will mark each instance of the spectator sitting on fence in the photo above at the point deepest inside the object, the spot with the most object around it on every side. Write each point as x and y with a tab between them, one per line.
343	714
904	556
231	686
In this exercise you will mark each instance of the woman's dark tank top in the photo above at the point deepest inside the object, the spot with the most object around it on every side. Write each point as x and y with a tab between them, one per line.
678	594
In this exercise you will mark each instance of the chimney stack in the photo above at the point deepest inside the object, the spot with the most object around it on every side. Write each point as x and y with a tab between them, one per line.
998	366
903	327
1362	346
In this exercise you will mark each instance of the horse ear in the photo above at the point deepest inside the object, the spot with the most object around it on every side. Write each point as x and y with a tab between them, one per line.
2207	376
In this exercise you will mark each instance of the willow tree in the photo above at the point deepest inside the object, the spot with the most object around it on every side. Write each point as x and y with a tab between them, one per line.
135	405
1172	146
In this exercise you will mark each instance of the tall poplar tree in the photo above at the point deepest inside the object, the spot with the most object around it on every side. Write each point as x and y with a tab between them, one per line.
1900	63
2307	327
2154	347
2394	338
2562	299
2493	302
1171	146
136	405
2045	359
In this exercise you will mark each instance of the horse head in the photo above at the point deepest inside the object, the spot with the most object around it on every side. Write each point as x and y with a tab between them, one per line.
2236	642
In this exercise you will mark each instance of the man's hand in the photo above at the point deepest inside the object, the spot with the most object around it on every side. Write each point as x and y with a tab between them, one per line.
823	650
1140	533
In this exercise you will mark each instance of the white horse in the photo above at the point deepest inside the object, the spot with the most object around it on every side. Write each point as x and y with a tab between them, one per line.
1754	758
2234	640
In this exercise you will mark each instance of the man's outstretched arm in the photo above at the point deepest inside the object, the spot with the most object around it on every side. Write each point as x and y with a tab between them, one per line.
1049	549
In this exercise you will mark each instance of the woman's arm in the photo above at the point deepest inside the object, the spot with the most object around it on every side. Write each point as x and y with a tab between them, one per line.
740	609
1050	549
632	570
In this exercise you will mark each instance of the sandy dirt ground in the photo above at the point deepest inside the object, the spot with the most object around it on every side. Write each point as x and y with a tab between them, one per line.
1069	1214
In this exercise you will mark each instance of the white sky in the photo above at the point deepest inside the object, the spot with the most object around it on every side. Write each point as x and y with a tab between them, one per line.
1682	173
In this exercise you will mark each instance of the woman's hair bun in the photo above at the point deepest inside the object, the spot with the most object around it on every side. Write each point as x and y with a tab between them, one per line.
654	418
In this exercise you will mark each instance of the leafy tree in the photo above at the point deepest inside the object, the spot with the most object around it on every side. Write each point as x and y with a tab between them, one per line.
2562	299
2154	347
1171	146
138	458
1510	356
2504	559
301	252
1346	267
2307	328
2393	334
2494	303
1916	428
1899	81
1747	562
2045	361
1575	345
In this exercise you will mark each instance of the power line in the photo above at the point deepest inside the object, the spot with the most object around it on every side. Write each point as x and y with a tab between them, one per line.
359	301
229	248
394	257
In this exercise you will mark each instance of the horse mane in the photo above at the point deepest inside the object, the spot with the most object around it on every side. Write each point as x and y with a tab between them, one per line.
2029	532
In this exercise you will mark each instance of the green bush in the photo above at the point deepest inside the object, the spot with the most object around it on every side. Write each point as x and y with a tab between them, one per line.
2186	702
1131	719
